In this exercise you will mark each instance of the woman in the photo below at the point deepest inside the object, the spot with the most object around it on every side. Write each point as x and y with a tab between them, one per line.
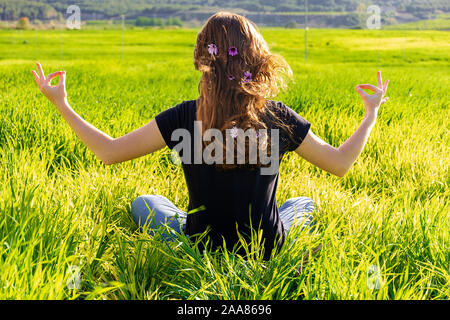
229	197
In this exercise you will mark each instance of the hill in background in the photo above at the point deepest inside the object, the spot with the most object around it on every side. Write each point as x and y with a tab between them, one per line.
287	13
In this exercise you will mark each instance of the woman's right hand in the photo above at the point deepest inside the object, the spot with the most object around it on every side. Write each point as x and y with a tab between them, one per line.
373	101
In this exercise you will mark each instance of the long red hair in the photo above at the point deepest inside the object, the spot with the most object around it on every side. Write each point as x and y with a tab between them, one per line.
233	88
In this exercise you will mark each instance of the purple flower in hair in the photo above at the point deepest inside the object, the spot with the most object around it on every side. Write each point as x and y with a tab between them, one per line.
231	77
247	76
232	51
212	49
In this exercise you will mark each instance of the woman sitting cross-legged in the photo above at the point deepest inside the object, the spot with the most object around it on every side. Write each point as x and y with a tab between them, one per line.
230	140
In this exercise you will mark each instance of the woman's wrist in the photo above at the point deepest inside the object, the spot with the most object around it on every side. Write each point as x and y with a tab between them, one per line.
371	115
61	103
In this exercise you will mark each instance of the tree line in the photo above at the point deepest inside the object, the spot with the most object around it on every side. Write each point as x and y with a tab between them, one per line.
50	9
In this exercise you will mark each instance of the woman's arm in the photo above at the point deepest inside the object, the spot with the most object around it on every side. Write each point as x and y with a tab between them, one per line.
135	144
339	160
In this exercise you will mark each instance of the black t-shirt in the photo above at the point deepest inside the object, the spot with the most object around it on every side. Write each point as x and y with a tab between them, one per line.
230	201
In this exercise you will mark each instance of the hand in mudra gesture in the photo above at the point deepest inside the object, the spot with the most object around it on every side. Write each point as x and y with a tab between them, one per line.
56	94
373	101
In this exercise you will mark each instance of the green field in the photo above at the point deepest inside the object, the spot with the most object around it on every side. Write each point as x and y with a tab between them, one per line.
61	209
440	22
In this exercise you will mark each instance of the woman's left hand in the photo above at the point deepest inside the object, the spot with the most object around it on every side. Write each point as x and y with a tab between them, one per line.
56	94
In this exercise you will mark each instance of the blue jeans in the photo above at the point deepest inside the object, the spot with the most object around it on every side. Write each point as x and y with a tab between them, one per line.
152	211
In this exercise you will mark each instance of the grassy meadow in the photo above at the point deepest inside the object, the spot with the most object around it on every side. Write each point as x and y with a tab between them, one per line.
384	226
440	22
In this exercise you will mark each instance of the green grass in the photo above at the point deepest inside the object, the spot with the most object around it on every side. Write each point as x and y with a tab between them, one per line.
440	22
60	207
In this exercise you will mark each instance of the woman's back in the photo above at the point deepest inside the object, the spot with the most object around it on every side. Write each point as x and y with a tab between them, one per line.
230	201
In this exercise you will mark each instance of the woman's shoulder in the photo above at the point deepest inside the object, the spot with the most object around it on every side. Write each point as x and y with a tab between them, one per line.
182	110
179	115
282	114
278	109
187	105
